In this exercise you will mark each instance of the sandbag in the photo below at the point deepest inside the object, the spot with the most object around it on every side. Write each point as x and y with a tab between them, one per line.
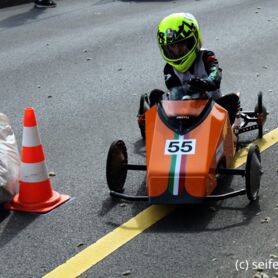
9	161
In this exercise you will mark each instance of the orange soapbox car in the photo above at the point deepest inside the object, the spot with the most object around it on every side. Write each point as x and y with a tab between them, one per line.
190	143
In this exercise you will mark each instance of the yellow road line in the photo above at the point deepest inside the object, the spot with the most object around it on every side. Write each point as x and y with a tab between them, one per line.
136	225
110	242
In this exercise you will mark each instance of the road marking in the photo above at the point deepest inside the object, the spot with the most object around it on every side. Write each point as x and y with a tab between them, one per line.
110	242
136	225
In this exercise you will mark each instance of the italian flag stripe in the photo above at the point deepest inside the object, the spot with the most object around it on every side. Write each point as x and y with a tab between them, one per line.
172	169
182	169
177	170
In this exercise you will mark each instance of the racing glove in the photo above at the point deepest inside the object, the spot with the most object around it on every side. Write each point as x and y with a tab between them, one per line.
202	84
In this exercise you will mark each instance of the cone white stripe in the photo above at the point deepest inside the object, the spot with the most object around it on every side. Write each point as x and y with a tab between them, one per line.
31	137
33	172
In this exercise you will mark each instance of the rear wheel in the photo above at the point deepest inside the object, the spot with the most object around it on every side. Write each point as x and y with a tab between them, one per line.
253	173
116	169
261	113
143	107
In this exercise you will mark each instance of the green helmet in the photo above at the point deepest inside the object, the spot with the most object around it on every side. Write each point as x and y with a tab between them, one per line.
179	39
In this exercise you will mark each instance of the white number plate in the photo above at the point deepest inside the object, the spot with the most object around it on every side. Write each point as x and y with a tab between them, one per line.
173	147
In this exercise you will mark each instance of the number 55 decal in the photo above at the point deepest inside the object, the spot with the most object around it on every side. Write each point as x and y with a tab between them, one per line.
173	147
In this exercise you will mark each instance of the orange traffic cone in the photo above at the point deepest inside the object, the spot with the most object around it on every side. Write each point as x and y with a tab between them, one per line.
35	192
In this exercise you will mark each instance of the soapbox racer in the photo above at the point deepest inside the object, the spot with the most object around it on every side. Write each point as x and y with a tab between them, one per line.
190	143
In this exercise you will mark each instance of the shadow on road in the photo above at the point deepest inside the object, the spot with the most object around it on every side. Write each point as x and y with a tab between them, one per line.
148	1
21	19
3	214
135	1
196	218
108	204
210	215
190	218
16	223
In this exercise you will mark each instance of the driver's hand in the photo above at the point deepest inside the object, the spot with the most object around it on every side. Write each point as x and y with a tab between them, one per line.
200	83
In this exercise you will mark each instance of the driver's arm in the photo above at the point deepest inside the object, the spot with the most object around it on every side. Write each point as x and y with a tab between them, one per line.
213	70
170	78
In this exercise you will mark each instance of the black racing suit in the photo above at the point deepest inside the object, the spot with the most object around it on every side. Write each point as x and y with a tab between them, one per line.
206	67
210	65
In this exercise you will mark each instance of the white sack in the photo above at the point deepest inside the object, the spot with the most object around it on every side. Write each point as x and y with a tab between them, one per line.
9	160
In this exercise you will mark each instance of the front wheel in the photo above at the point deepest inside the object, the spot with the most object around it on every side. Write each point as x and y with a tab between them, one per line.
253	172
116	166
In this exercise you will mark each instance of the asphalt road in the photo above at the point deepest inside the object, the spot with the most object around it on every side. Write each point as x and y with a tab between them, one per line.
83	67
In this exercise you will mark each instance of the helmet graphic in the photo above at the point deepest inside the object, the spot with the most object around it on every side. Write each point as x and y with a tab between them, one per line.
179	40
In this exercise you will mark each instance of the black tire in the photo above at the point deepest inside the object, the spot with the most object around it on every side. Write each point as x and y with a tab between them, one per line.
116	169
143	132
144	104
253	172
260	109
143	107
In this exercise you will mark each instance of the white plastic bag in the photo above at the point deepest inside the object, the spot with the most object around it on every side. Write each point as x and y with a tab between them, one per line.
9	161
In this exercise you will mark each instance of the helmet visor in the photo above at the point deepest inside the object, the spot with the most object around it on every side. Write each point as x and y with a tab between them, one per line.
179	49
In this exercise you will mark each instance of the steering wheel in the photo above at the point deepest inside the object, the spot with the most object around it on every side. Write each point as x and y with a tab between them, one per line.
186	92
